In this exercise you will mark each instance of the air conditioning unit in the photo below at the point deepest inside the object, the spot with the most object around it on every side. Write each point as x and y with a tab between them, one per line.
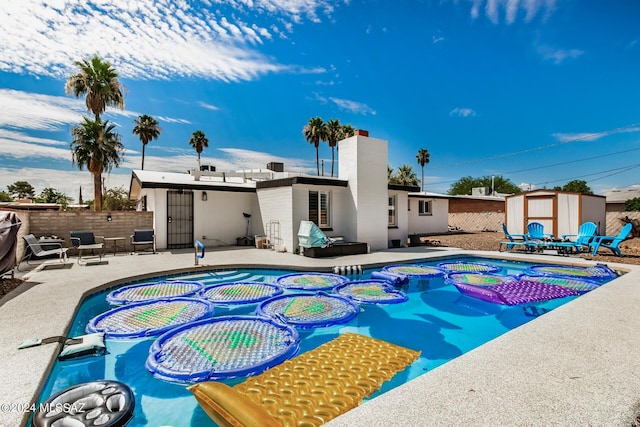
481	191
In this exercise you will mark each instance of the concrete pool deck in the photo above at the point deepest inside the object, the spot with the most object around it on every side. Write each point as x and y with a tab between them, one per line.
576	365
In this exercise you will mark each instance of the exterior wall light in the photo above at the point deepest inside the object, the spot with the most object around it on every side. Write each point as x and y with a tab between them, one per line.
109	218
204	196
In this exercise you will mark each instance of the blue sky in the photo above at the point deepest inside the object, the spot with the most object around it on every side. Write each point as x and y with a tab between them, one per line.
516	88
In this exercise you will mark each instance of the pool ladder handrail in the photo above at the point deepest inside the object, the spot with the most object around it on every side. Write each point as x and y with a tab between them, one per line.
198	246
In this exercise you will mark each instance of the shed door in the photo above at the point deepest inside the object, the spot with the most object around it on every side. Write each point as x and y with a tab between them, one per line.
179	219
542	210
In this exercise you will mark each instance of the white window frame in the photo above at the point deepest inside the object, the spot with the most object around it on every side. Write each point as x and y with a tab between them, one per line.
393	211
324	198
425	207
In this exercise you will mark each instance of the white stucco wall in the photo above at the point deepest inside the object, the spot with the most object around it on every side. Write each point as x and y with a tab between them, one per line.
363	162
276	204
436	223
218	221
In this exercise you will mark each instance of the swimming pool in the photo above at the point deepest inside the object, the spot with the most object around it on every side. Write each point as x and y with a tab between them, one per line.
435	320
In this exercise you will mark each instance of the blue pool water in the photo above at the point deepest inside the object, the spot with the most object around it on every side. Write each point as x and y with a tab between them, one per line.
436	320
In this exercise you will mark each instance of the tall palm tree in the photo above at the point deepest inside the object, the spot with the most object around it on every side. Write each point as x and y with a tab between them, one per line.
390	177
314	132
423	159
199	141
98	147
98	80
147	129
334	134
406	176
348	131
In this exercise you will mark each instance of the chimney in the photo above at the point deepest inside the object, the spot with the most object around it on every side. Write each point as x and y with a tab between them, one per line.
361	132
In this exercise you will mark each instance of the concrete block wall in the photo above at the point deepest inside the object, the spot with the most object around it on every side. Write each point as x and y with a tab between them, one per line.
56	223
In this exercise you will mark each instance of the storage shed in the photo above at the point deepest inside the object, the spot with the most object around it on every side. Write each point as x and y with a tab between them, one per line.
560	212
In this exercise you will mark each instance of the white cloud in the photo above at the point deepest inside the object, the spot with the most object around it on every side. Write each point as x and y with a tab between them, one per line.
593	136
558	56
146	38
353	106
510	10
35	111
462	112
249	159
208	106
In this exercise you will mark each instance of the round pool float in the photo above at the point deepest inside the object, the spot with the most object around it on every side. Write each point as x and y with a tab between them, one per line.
597	272
372	291
154	290
414	270
149	318
102	403
580	285
221	348
469	267
308	310
479	279
311	281
240	292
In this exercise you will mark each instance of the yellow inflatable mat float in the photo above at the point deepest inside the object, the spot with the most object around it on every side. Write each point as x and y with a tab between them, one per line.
310	389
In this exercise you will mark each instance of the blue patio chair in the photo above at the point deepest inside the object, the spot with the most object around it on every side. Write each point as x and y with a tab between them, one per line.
586	233
611	242
514	240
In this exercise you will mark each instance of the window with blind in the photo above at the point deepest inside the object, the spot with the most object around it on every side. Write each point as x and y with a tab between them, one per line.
392	211
320	208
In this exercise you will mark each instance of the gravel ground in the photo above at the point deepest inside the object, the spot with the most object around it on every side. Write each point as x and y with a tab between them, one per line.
489	241
483	241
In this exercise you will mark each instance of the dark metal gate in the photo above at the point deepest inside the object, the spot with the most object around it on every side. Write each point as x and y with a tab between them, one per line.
179	219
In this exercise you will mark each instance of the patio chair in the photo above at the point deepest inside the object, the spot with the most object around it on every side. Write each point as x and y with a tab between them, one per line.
586	233
536	238
34	250
514	240
85	241
611	242
143	237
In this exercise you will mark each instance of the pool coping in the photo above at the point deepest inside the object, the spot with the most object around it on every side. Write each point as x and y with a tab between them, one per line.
588	375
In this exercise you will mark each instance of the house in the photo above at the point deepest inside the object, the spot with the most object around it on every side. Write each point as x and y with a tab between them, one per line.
560	212
616	199
225	208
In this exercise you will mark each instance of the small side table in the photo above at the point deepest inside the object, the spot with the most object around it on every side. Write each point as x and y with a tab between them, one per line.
113	243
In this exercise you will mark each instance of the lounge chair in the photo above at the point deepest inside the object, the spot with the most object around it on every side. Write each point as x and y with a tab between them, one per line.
85	241
514	240
611	242
144	237
536	238
315	244
586	233
310	389
34	250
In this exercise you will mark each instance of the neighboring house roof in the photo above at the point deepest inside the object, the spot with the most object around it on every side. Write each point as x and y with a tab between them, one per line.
428	195
622	195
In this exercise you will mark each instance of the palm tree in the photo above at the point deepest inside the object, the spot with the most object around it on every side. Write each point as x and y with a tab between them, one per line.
98	80
199	141
314	132
348	131
334	134
391	179
98	147
406	176
423	159
146	127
